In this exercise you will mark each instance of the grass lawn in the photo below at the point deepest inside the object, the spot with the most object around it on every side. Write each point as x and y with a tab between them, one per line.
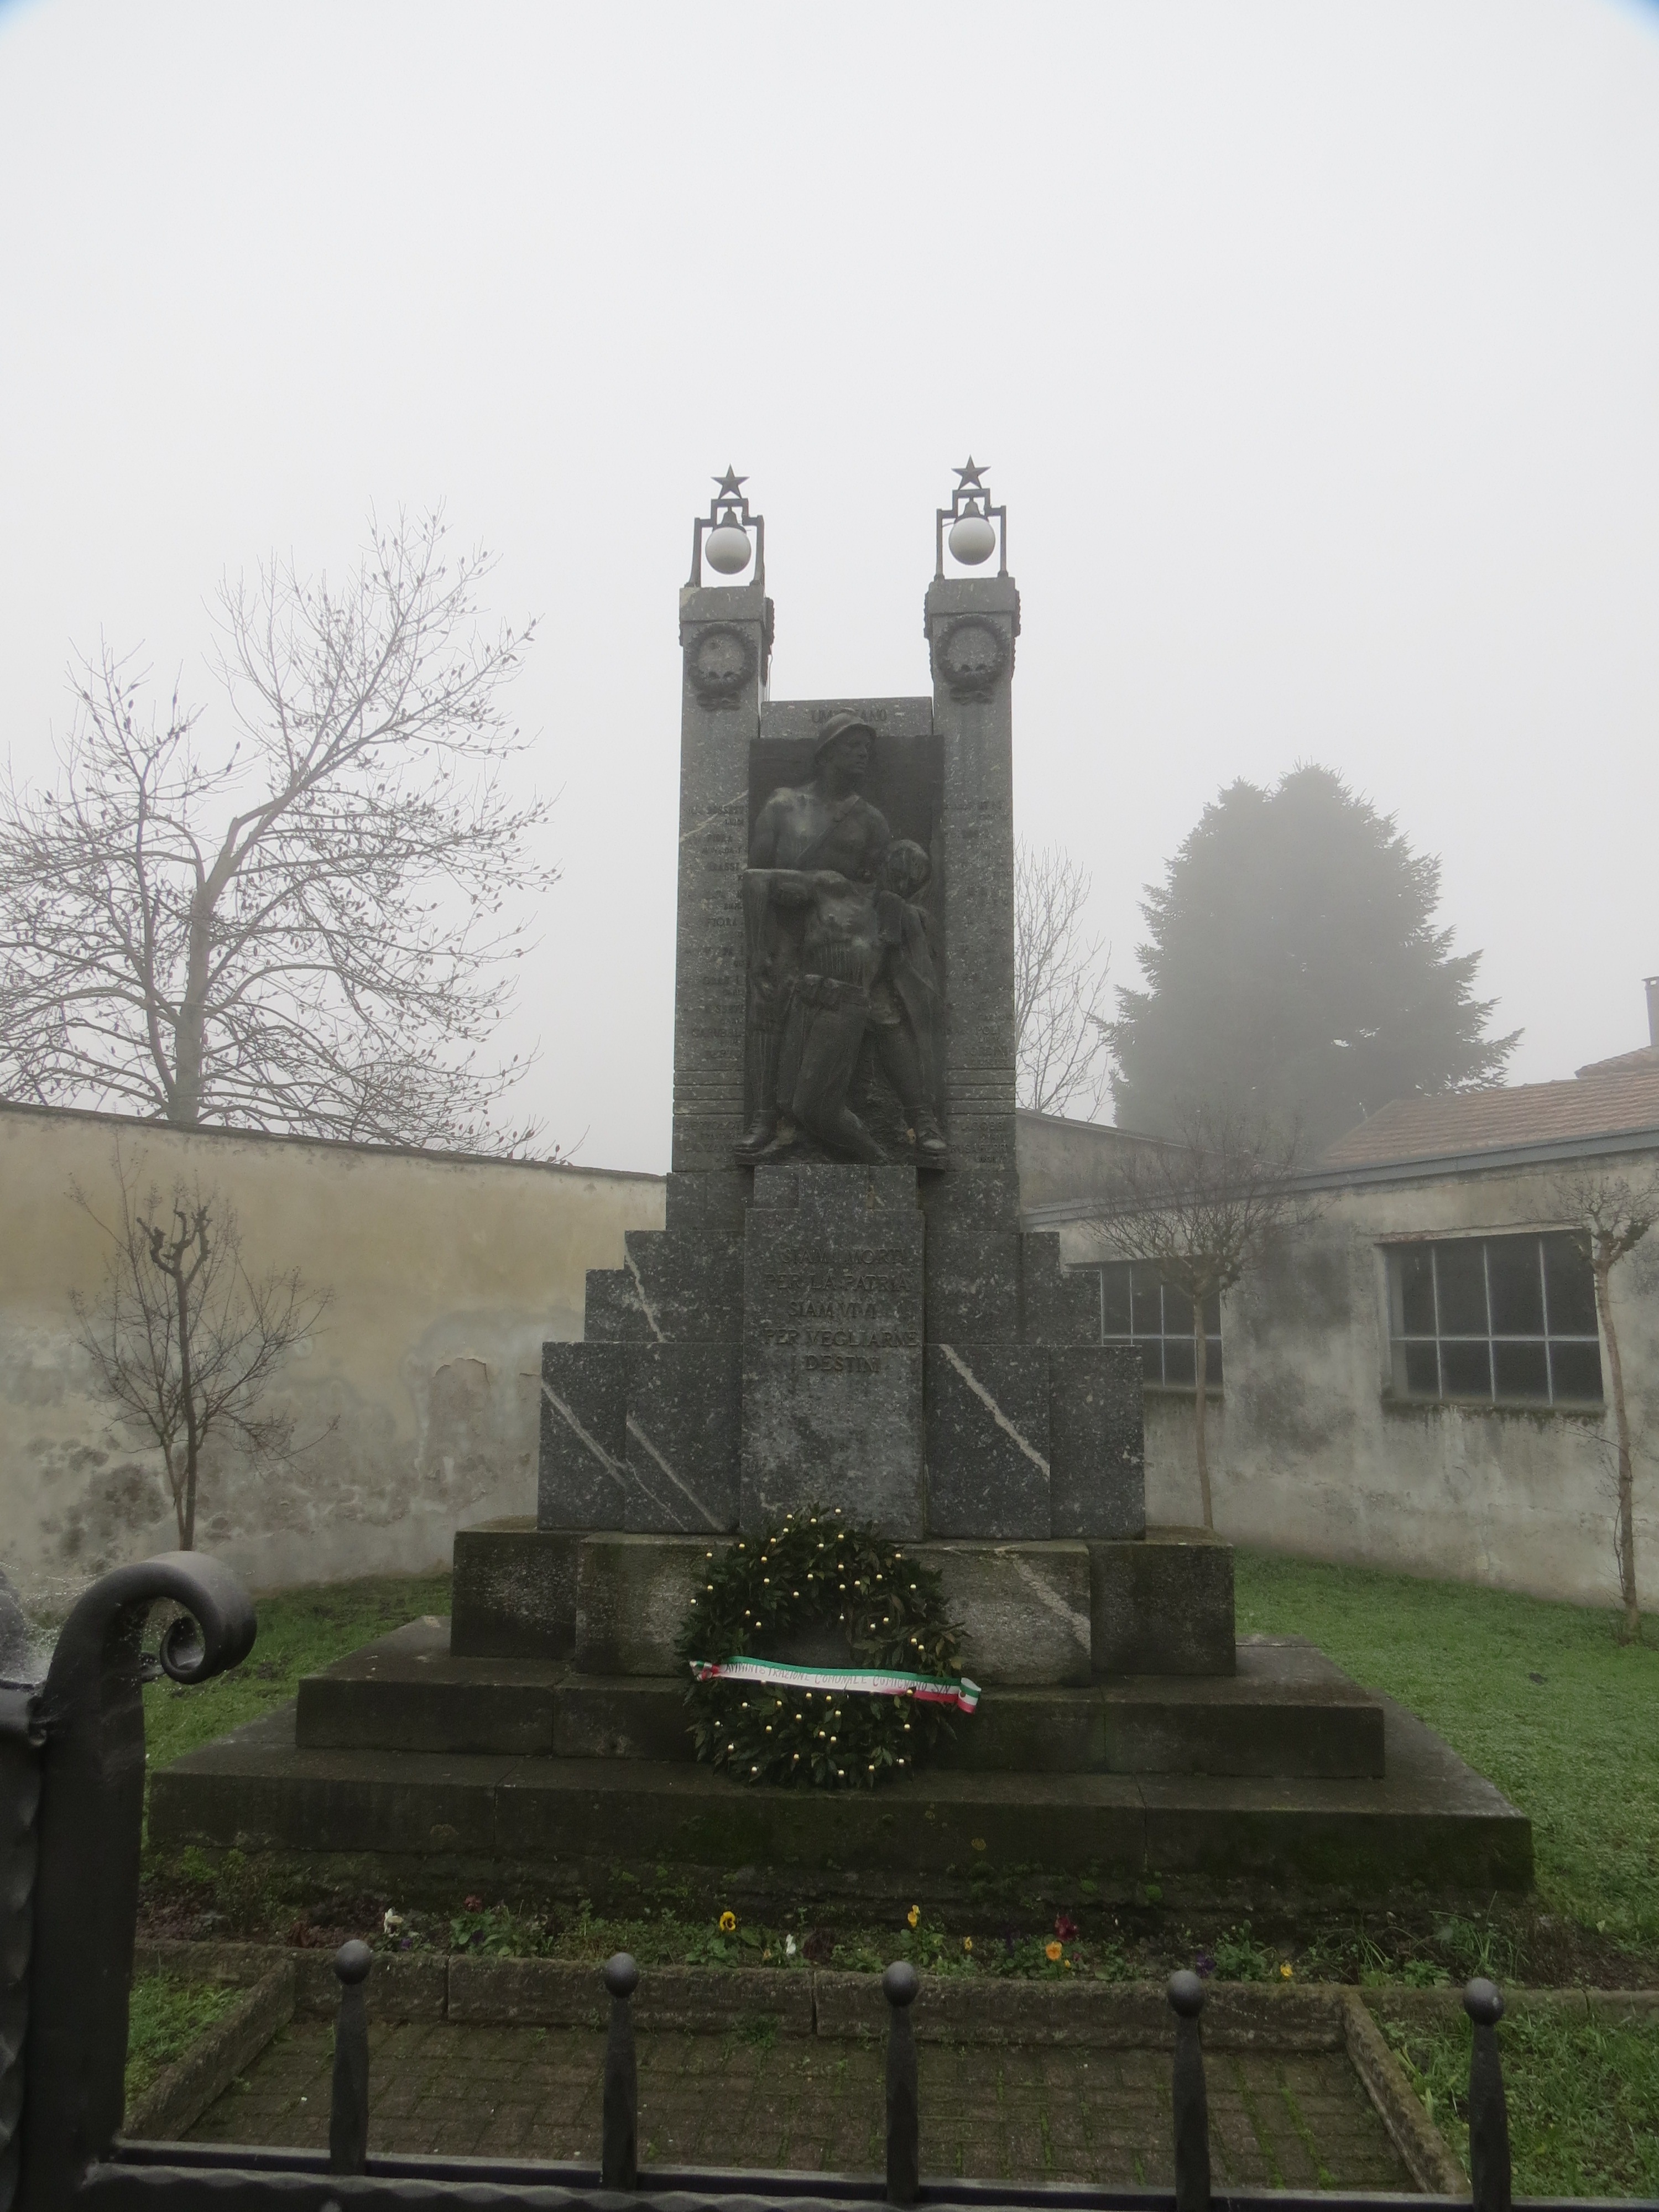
1583	2100
300	1631
165	2018
1539	1697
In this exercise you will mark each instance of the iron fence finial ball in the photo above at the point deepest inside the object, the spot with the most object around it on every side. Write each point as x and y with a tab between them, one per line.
1186	1993
972	540
726	549
900	1983
621	1975
352	1962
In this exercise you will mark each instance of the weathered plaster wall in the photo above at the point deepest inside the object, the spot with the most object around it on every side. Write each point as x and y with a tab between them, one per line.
419	1388
1172	1495
1060	1161
1312	1454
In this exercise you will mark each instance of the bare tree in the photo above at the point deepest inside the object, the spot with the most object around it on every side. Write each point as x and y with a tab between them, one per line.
1200	1209
1059	985
1615	1211
184	1338
311	934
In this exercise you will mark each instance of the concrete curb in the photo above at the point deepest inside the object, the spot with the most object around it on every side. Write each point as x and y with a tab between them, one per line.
562	1993
1607	2007
1427	2157
181	2093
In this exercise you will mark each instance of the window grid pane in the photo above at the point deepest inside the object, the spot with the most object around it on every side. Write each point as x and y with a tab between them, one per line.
1495	1320
1136	1308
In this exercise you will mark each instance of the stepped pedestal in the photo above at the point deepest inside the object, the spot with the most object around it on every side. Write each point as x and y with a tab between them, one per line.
564	1766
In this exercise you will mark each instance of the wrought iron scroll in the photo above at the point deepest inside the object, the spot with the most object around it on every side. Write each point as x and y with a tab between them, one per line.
91	1713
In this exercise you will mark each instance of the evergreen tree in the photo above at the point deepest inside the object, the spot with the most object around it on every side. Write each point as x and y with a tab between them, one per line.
1294	971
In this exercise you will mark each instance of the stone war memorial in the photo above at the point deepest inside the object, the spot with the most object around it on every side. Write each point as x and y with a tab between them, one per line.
843	1356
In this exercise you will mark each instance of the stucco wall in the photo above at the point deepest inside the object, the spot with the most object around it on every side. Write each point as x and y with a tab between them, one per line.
420	1386
1312	1454
1061	1160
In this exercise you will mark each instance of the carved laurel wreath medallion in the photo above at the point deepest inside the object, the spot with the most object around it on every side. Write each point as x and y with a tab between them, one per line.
970	654
720	662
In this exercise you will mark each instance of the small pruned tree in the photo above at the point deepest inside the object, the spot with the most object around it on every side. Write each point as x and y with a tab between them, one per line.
305	926
184	1338
1200	1209
1060	1024
1615	1212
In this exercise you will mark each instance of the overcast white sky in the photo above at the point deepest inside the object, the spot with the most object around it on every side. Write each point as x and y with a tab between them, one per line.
1314	345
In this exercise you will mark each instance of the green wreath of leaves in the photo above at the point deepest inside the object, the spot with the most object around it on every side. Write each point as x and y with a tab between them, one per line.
813	1567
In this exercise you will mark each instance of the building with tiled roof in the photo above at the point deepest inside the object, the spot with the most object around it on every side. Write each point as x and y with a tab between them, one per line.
1611	1102
1421	1379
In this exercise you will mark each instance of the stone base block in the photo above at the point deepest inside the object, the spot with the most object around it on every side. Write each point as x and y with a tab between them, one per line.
639	1436
1163	1606
514	1592
988	1440
633	1593
1023	1609
1098	1486
615	1603
677	1287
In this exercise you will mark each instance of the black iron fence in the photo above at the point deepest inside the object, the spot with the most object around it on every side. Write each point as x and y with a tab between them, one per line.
71	1804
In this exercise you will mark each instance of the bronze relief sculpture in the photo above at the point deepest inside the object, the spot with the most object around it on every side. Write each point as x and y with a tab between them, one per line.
838	954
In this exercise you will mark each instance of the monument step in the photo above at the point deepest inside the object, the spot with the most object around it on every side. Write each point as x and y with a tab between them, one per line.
1286	1711
609	1829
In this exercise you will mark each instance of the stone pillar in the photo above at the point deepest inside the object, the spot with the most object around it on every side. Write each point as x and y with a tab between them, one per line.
724	635
972	622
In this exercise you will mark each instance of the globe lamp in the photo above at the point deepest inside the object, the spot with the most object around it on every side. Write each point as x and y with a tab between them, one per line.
972	539
728	549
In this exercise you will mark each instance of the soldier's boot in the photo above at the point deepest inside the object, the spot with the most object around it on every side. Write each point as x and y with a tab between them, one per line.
931	1147
763	1073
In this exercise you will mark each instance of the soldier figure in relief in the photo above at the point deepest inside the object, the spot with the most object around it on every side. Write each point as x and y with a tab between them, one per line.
906	1007
838	950
825	825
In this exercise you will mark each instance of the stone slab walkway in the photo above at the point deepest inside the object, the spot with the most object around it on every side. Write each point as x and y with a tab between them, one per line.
1288	2120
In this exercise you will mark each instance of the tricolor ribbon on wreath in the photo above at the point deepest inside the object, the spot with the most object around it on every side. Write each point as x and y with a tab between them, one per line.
870	1681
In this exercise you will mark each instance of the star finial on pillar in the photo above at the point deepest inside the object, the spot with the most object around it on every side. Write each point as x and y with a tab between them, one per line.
731	484
971	474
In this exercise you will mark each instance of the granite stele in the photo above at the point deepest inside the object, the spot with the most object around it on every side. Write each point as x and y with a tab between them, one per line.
843	1308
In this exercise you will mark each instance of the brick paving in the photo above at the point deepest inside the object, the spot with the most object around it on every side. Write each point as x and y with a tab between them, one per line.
1276	2121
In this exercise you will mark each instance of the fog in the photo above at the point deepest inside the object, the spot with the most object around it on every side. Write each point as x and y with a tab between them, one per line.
1314	351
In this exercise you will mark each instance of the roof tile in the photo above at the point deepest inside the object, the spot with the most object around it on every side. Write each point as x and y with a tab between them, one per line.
1481	1120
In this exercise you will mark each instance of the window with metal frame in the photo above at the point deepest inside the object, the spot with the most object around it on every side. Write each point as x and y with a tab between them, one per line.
1135	1308
1495	1320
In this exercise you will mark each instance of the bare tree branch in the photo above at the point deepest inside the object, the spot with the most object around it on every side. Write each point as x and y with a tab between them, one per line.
183	1338
1200	1210
313	935
1615	1211
1059	984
